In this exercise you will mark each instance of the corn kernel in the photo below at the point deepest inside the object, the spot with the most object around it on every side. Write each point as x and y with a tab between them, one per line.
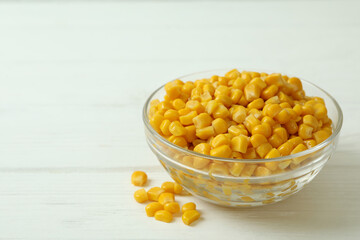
239	143
178	104
248	170
250	122
190	134
202	120
219	125
310	143
163	216
140	196
299	148
252	92
200	163
223	151
164	127
235	95
195	105
311	121
263	129
269	92
154	193
138	178
219	140
152	208
291	126
275	140
179	141
221	112
257	139
268	120
156	120
257	104
250	153
239	114
305	131
168	187
274	79
262	171
285	148
271	110
190	216
283	116
166	197
236	169
263	149
187	119
321	136
188	206
171	114
177	188
205	133
172	207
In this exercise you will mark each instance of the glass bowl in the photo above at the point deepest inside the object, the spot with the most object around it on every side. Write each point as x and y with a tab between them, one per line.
226	190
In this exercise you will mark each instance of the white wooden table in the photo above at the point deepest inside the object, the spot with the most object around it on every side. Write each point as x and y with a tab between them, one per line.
74	77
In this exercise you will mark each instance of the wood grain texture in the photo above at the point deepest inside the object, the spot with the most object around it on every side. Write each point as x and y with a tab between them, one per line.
74	77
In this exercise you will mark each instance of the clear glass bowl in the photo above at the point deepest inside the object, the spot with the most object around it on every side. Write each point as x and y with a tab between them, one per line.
227	190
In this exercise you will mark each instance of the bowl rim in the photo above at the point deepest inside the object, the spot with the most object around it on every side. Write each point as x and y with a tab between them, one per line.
336	129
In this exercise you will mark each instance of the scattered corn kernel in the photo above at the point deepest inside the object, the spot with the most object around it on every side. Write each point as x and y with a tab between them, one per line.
154	193
138	178
190	216
172	207
152	208
163	216
188	206
140	196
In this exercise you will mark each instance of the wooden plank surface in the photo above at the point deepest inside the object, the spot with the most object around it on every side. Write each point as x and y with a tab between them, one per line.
74	77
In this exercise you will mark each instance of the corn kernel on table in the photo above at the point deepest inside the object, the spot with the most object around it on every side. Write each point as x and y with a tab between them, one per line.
75	75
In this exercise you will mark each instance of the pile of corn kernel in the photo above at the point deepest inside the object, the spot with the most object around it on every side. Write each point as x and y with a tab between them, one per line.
164	205
242	115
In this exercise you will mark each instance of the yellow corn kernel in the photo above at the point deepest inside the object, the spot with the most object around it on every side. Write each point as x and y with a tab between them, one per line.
321	136
196	94
311	121
177	129
281	132
187	119
273	100
257	104
202	120
163	107
262	171
138	178
234	130
163	216
235	95
320	111
285	105
177	188
200	163
211	106
184	111
250	153
239	83
252	92
299	148
219	125
269	92
298	109
222	90
205	133
239	114
219	140
154	193
188	206
299	95
237	168
221	112
246	76
190	134
239	143
223	151
295	83
271	110
155	121
257	113
259	82
295	141
268	120
274	79
250	122
172	207
263	129
140	196
284	164
243	101
247	199
190	216
166	197
224	99
188	87
202	148
273	153
173	89
171	114
263	149
168	187
164	127
305	131
195	105
285	148
283	116
310	143
248	170
275	140
208	87
152	208
178	104
197	141
257	139
291	126
205	97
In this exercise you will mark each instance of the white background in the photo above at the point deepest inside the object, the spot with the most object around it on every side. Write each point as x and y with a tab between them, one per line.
74	77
